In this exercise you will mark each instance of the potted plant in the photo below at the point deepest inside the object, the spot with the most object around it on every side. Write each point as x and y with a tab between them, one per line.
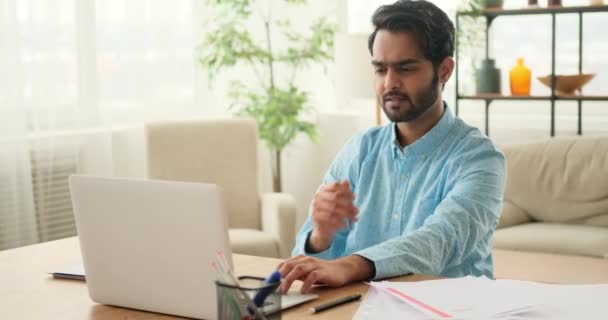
277	104
494	4
471	38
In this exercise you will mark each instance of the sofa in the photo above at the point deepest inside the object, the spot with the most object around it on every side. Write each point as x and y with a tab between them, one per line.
556	198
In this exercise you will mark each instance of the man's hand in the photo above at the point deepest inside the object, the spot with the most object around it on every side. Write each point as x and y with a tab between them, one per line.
334	273
332	207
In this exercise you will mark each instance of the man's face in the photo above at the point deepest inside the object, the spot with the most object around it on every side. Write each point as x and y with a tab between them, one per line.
406	82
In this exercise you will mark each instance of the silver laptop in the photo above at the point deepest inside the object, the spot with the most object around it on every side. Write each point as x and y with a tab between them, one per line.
148	244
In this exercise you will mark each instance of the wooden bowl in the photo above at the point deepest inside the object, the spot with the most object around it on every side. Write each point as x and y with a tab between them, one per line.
567	84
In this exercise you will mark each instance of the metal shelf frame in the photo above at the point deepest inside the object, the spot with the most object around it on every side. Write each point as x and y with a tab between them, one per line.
490	15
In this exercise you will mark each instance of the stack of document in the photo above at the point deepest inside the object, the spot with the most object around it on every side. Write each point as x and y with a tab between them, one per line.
482	298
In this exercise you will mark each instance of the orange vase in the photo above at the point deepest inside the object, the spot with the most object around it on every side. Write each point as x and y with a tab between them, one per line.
520	77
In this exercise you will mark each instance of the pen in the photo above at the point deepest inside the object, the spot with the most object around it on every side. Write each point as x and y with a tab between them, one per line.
335	303
229	278
263	293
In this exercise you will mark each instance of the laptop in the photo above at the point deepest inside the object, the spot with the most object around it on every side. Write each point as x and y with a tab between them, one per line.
148	244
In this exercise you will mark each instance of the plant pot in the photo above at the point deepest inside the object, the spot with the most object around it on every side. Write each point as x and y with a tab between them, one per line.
493	4
487	77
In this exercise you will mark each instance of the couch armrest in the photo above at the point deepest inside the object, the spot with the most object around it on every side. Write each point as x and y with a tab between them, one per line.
512	215
279	220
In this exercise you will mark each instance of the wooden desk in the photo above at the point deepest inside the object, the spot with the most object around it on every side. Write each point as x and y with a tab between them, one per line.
27	292
549	268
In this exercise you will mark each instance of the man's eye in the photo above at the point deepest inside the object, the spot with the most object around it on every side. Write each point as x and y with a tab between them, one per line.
406	69
380	70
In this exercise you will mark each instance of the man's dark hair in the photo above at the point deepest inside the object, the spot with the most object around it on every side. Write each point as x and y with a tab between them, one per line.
429	25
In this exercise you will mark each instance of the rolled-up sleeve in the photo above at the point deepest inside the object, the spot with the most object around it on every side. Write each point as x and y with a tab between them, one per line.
344	167
335	250
460	226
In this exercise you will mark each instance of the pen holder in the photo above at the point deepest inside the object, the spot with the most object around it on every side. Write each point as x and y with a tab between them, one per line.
234	301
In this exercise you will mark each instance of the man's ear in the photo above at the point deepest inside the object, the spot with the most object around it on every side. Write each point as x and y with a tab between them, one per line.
445	69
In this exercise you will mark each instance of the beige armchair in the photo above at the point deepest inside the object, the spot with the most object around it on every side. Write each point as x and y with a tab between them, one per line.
225	152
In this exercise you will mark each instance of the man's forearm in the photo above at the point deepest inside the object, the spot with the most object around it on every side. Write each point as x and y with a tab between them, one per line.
357	268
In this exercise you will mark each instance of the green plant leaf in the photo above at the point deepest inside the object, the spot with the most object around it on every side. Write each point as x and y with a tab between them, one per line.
240	8
226	46
318	47
277	105
277	112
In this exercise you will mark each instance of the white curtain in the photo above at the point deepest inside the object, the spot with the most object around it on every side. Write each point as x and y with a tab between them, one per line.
77	78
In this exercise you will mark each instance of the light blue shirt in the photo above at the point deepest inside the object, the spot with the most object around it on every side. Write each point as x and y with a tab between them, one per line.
429	208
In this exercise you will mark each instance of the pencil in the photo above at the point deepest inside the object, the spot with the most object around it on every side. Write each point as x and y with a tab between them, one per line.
335	303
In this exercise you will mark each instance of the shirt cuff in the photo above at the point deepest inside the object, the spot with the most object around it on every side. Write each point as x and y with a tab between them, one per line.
327	254
383	267
373	274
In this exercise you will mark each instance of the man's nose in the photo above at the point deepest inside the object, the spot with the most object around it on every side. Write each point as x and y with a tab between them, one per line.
392	80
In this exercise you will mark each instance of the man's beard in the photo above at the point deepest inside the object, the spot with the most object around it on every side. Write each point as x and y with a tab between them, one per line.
424	101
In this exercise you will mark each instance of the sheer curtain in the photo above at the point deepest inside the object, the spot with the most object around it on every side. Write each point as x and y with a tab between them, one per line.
78	77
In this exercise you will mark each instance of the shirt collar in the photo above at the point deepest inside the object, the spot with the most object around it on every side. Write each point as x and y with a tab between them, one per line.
430	141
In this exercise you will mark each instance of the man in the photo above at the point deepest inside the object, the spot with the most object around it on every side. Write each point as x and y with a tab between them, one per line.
422	194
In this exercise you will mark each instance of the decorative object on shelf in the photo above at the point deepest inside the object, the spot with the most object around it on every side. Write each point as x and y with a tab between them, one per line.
492	4
520	77
533	3
567	84
596	2
471	37
555	3
475	8
487	77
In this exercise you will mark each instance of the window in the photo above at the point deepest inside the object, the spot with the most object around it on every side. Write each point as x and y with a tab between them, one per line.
72	67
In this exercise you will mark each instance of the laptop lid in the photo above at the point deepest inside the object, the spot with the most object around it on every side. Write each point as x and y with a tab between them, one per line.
148	244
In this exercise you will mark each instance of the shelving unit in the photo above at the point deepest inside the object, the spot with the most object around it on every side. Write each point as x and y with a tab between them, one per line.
490	15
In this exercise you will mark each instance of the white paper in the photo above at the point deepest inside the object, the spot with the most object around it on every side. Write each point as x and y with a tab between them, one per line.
378	304
483	298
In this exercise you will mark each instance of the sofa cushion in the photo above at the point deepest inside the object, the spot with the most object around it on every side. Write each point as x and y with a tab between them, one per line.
554	238
600	221
253	242
512	215
559	180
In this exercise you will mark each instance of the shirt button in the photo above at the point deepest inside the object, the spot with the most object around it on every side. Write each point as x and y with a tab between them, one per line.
395	216
404	177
